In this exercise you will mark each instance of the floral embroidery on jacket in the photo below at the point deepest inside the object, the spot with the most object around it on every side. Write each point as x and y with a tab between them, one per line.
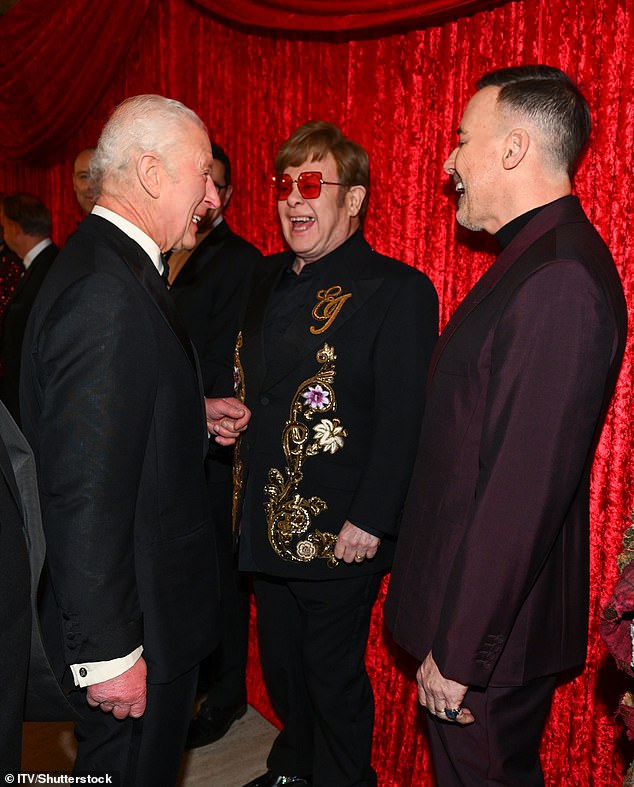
289	515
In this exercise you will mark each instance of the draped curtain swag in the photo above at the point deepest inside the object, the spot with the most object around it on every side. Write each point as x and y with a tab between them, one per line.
400	93
88	39
329	15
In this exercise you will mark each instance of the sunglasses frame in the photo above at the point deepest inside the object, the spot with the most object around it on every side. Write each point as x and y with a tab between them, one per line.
277	184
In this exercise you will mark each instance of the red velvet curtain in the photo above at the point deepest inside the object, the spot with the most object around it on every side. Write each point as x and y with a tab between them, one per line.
401	95
329	15
57	61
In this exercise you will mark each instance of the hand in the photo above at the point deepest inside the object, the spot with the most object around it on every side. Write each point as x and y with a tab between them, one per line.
355	545
122	696
227	418
437	693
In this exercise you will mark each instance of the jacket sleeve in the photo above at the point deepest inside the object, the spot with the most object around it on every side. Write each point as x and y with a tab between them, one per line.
96	412
400	360
550	356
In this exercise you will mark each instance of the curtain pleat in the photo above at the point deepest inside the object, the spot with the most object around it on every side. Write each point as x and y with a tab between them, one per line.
57	61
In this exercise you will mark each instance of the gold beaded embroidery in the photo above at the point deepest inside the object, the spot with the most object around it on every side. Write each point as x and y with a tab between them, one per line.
289	516
239	389
328	306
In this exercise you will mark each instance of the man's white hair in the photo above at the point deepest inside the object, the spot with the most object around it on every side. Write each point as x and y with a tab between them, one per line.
141	123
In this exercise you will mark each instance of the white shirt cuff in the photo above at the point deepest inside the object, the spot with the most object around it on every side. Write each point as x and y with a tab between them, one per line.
91	672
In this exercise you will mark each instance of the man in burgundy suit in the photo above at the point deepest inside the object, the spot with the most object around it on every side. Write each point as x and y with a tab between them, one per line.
490	581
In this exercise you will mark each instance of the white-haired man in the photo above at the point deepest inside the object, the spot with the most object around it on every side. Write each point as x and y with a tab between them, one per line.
113	408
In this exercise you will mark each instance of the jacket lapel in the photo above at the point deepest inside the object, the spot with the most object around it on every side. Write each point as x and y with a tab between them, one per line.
145	272
563	210
6	466
28	273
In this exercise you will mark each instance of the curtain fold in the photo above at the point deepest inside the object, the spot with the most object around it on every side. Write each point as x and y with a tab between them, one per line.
57	61
331	15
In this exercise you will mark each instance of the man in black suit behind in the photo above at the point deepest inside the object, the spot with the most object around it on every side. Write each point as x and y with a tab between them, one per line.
113	408
26	223
210	293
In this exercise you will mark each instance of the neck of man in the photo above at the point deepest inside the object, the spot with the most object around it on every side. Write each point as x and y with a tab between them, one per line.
24	244
128	210
529	195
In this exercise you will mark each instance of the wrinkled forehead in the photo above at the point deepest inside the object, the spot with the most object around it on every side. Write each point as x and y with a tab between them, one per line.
191	141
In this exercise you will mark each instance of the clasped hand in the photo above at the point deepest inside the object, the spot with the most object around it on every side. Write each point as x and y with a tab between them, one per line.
227	418
438	694
122	696
355	545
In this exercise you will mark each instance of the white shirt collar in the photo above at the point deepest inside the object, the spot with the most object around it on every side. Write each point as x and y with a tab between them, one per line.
31	255
132	231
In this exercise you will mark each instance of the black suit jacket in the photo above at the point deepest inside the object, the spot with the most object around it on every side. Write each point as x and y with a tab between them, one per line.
491	569
309	469
210	294
14	324
112	407
21	526
15	614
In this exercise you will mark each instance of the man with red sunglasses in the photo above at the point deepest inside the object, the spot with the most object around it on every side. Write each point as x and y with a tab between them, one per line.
332	361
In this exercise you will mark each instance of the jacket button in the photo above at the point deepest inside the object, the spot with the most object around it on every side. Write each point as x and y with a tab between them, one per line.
83	672
264	400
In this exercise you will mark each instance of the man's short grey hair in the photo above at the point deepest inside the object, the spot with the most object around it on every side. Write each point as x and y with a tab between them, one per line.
550	99
141	123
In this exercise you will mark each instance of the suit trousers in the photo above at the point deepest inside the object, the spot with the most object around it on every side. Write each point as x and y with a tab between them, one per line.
312	637
141	752
502	746
223	673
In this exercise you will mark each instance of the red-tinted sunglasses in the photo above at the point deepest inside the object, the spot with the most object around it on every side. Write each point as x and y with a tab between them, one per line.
308	184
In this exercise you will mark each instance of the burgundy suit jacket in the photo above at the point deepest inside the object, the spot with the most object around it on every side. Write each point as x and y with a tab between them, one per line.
491	569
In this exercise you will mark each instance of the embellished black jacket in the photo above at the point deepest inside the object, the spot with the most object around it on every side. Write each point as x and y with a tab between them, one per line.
335	382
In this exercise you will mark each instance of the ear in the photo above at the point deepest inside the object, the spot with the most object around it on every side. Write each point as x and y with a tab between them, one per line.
228	193
14	226
149	172
516	146
354	199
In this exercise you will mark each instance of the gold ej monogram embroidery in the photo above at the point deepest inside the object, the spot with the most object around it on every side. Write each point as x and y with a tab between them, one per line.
328	306
289	516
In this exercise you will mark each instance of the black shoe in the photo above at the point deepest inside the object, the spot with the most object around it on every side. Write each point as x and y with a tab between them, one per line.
269	779
211	724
